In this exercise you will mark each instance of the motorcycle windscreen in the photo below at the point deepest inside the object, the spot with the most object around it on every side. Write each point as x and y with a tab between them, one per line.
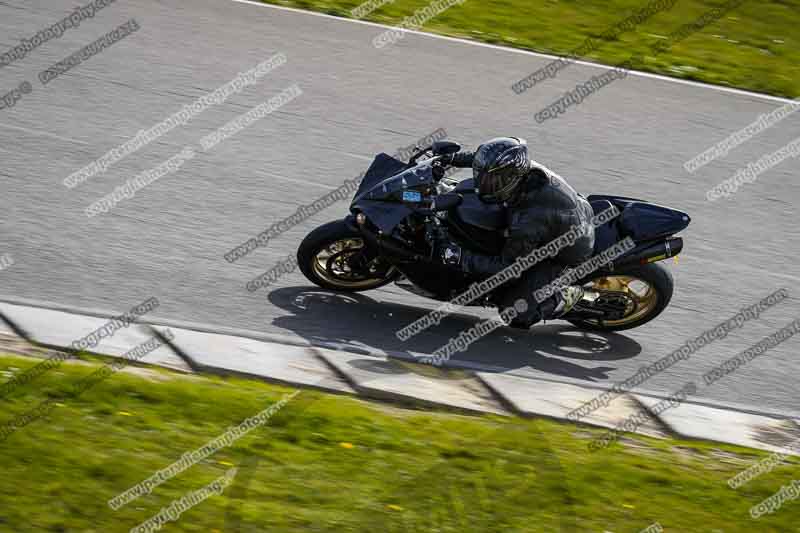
382	167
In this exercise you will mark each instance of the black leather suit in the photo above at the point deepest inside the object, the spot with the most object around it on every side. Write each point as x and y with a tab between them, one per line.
543	208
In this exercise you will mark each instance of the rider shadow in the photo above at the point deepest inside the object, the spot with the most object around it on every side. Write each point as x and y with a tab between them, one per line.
357	323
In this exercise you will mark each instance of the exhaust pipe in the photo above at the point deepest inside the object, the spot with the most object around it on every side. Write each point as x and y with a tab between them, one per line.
650	253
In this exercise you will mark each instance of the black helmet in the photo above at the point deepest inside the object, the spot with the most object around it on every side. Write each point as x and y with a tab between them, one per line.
499	167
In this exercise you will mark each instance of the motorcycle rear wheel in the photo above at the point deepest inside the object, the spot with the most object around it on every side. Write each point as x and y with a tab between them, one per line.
646	291
323	259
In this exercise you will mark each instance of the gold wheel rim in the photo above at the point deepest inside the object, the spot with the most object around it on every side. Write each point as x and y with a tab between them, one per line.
642	297
336	253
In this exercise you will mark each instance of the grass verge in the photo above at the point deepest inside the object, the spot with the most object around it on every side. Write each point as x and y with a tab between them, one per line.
754	47
329	463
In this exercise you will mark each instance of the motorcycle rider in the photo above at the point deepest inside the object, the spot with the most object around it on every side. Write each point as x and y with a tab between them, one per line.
540	206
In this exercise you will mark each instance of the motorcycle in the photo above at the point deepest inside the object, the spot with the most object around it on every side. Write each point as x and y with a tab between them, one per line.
401	211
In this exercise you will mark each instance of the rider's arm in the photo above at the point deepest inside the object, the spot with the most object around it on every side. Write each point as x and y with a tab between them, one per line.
530	226
521	241
461	159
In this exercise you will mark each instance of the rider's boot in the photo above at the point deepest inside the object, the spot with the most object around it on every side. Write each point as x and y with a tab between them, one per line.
569	298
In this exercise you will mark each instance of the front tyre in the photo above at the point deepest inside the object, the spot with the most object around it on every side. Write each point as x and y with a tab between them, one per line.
642	291
327	257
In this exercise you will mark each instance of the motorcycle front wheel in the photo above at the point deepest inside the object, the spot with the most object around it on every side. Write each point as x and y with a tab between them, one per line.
327	256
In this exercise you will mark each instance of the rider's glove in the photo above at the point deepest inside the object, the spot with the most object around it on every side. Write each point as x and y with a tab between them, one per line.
450	255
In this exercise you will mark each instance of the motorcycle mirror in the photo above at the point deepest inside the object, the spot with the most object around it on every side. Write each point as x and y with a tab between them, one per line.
445	147
446	202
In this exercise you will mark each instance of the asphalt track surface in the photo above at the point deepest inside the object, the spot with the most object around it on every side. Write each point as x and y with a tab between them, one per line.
631	138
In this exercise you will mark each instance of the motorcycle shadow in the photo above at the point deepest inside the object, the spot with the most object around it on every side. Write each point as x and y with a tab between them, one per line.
360	324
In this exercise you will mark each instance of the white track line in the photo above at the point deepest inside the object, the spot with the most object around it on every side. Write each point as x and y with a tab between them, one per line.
302	182
357	156
43	133
730	90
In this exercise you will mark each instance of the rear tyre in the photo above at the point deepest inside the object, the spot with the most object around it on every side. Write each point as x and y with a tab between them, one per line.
645	291
323	258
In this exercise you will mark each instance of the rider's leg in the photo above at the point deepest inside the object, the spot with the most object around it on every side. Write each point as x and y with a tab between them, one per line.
533	279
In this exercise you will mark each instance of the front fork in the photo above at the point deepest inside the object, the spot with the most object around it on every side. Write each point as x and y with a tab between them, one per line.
368	260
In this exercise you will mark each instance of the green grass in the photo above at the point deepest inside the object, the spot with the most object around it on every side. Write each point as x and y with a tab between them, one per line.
755	47
328	463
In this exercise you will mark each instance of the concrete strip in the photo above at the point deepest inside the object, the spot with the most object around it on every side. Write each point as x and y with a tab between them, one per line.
348	372
554	400
59	329
168	356
6	329
391	380
215	329
731	427
14	344
296	365
12	328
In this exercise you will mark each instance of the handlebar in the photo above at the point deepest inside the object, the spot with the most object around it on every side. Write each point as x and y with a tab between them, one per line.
438	148
438	168
419	153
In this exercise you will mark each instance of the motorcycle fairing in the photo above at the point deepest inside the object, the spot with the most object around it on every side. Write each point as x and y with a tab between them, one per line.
386	183
644	221
390	190
640	220
608	234
386	216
